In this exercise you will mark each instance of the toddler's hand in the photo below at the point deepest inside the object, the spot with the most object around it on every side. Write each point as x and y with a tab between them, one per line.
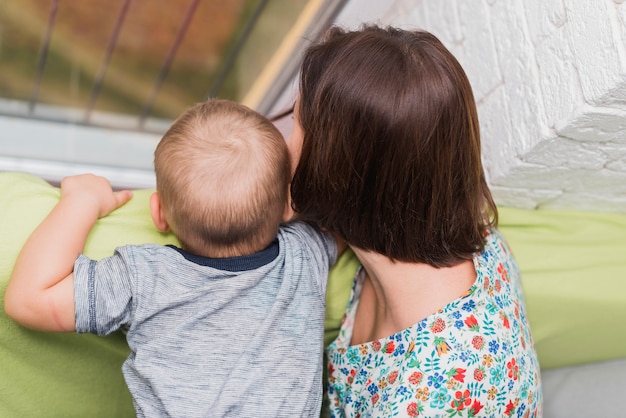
95	192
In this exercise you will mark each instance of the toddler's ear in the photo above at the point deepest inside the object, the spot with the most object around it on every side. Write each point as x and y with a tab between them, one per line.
156	210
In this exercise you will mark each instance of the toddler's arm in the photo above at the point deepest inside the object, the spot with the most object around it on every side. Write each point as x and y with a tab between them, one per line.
40	293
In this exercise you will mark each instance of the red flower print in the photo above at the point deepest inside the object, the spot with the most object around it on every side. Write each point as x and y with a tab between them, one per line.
389	347
498	285
510	408
479	374
472	323
478	342
462	400
392	377
505	320
486	285
475	409
438	326
503	272
415	378
351	377
412	410
376	345
457	374
375	398
513	369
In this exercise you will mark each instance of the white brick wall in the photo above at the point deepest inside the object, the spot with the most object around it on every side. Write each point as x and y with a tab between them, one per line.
549	78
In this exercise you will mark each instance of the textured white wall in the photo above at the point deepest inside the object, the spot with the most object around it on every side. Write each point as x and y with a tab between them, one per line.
549	78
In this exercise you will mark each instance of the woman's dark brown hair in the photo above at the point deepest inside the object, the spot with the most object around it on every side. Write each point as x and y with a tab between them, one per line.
391	151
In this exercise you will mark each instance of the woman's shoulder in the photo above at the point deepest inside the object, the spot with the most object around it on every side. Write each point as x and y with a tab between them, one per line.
495	245
475	353
496	259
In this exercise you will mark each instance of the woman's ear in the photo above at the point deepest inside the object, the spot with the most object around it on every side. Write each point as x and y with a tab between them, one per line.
156	210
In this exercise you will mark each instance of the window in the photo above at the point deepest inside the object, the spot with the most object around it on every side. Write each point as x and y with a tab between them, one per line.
93	84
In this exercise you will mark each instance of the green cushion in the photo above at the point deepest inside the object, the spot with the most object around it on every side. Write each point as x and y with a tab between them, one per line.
574	276
62	375
573	265
338	292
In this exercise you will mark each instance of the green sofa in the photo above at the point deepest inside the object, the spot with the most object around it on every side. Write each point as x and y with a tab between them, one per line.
574	275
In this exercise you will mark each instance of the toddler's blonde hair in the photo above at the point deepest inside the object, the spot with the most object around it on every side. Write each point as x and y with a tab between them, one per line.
222	173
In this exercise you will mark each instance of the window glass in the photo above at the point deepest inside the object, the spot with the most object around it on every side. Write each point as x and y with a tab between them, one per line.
137	60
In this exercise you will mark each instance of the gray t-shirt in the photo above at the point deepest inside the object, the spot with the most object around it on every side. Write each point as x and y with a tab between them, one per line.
241	336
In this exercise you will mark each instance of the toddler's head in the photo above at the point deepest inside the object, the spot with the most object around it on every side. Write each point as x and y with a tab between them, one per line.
222	173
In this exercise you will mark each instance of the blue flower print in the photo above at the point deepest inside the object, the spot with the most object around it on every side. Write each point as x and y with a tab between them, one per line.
497	374
440	399
435	380
491	309
456	314
399	350
372	389
421	325
493	346
469	306
458	324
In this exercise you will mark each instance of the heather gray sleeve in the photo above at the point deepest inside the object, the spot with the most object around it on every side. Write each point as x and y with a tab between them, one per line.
319	249
102	294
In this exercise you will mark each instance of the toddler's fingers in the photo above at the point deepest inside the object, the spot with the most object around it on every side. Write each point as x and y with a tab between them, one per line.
122	197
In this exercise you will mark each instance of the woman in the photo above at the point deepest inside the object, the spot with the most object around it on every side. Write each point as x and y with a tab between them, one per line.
387	137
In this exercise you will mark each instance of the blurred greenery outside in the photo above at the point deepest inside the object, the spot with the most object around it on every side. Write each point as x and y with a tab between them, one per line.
83	30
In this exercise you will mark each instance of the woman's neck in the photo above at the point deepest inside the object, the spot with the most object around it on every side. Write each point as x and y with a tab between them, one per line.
396	295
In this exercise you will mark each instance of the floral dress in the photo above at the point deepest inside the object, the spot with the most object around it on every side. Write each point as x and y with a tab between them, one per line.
473	357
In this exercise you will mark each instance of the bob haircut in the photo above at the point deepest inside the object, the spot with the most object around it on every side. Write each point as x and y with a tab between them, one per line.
222	173
391	150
